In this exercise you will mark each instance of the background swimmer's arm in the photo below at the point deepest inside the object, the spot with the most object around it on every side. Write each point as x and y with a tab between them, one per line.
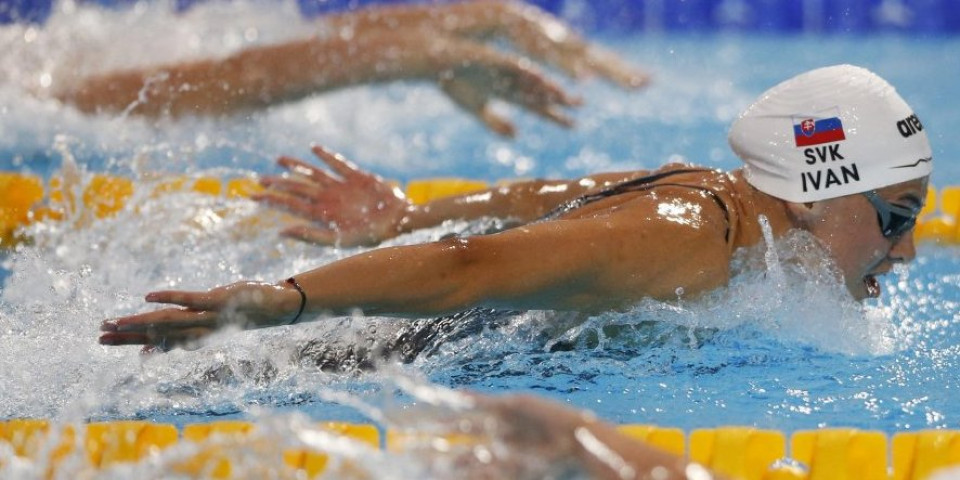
347	206
607	261
440	43
531	30
470	72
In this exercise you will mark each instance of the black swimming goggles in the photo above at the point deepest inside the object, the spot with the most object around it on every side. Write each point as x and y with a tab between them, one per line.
895	220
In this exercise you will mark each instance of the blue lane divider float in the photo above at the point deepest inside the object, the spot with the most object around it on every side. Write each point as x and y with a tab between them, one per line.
768	16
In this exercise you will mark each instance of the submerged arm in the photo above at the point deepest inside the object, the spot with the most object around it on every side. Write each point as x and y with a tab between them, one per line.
606	261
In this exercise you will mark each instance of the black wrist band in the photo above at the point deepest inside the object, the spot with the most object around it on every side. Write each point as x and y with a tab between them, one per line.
303	299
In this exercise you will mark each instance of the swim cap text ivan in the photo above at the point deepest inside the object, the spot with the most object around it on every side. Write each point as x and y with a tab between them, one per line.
833	174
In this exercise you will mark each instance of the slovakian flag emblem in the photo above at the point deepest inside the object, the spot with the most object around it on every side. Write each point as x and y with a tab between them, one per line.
812	131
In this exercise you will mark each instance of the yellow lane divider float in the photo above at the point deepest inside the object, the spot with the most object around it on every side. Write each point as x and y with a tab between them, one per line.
25	199
743	453
213	448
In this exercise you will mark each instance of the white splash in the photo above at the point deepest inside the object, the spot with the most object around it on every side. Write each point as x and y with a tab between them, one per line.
787	288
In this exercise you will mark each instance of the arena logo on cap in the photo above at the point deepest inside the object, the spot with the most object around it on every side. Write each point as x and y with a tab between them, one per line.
808	131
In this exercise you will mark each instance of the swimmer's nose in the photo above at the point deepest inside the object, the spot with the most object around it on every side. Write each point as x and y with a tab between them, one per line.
904	250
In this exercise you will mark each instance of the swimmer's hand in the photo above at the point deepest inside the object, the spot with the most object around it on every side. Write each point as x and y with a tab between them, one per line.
548	39
247	305
536	33
484	75
348	207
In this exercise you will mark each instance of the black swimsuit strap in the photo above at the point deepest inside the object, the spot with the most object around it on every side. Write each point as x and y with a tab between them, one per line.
639	185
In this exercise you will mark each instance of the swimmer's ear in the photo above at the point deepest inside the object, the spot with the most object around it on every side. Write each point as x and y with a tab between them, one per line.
805	214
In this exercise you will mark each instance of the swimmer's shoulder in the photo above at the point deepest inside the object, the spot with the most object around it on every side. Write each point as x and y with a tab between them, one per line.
716	193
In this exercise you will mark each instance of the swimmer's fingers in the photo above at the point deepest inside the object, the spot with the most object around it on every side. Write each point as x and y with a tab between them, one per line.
201	301
339	164
283	201
318	208
300	168
243	304
613	68
161	322
497	123
584	61
469	98
239	297
548	39
532	91
186	338
553	114
117	339
532	31
528	88
294	187
564	51
542	107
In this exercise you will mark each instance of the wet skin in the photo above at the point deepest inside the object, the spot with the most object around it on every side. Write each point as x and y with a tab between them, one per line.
848	228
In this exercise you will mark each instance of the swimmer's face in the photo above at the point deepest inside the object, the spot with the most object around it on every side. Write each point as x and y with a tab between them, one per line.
849	228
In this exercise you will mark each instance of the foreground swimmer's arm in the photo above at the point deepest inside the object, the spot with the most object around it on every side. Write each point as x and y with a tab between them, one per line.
622	252
354	207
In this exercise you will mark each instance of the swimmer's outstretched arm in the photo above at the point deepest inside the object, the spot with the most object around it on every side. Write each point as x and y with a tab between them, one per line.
606	261
347	206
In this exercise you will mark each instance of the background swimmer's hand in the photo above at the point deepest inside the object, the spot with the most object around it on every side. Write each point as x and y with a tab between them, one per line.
246	305
538	34
548	39
492	75
348	207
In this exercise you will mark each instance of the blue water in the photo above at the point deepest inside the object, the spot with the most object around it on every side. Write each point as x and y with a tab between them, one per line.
789	356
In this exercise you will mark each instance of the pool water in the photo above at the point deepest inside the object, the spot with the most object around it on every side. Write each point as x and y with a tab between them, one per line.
792	353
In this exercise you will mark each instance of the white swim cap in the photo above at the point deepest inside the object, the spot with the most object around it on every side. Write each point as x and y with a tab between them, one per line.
830	132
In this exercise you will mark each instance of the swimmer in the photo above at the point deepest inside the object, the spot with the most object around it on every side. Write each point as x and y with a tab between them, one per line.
825	152
443	43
